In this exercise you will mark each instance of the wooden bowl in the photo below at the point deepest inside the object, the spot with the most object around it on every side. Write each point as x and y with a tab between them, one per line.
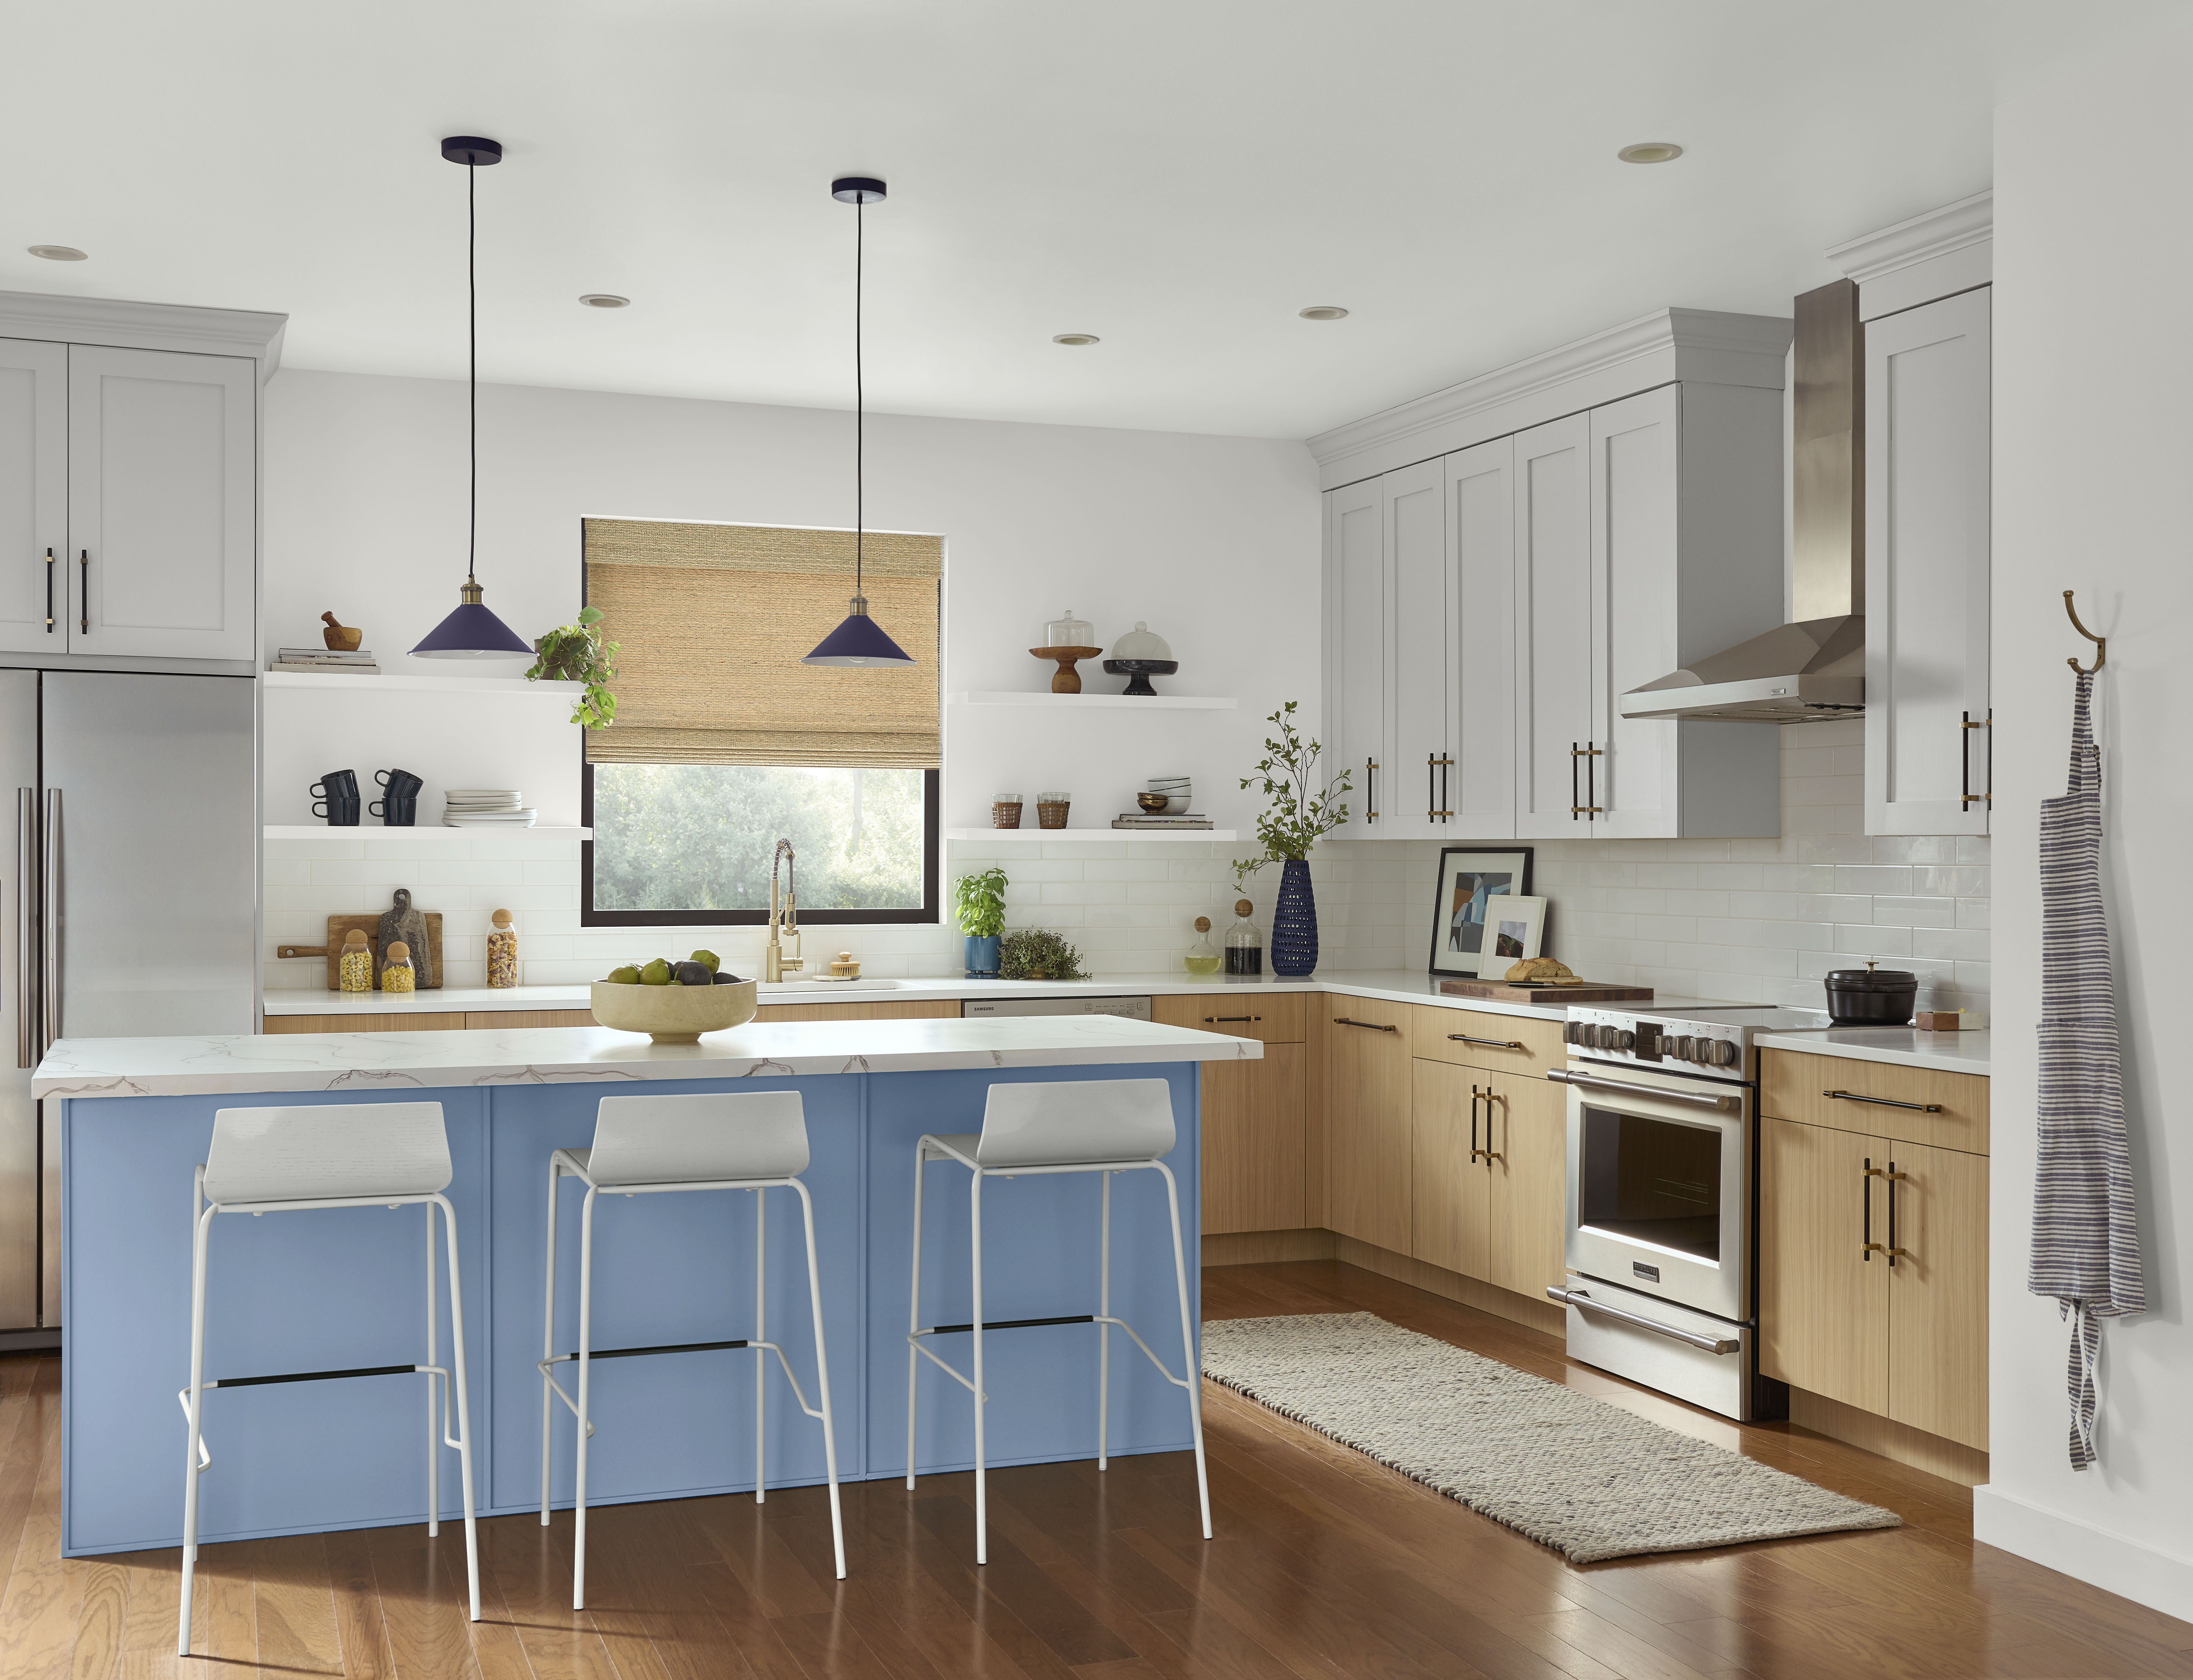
675	1014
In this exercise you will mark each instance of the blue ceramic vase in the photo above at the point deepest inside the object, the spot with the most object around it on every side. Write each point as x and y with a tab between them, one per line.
982	957
1294	921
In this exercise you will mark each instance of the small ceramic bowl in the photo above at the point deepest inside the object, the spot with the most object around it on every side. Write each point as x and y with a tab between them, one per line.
1176	807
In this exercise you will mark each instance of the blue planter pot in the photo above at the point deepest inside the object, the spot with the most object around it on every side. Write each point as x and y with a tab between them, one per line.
1294	921
982	957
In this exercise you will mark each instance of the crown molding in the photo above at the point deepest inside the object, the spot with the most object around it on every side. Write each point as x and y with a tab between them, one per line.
1949	249
1653	350
146	326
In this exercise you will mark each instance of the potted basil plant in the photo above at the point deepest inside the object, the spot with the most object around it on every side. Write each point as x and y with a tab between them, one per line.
978	904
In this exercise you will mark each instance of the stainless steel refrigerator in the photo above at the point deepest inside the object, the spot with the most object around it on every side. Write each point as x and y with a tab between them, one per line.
131	908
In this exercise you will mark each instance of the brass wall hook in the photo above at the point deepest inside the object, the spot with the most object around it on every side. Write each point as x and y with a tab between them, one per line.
2101	642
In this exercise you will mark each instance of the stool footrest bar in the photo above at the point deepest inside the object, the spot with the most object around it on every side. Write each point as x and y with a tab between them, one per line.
628	1353
1004	1324
315	1376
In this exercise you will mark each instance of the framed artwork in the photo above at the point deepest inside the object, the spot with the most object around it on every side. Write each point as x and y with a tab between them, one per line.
1471	879
1514	928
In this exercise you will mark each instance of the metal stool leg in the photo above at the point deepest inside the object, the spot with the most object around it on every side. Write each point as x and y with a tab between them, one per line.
761	1335
464	1442
586	1342
191	1450
982	1480
433	1422
913	1311
1104	1332
822	1378
1190	1366
548	1337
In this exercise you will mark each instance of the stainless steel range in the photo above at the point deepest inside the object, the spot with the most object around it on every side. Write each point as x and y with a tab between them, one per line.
1663	1200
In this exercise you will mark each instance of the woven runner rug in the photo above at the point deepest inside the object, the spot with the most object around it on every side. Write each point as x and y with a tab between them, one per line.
1573	1472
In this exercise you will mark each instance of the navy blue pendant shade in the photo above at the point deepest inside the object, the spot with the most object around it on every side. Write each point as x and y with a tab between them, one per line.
860	641
471	631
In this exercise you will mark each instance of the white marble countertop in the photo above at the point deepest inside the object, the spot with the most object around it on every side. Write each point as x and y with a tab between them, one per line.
155	1067
1900	1046
1391	985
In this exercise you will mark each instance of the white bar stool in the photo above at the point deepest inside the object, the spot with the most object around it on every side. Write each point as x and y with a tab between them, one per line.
644	1145
355	1155
1104	1125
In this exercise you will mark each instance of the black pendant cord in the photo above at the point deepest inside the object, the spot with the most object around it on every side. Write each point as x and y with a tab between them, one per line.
472	359
860	397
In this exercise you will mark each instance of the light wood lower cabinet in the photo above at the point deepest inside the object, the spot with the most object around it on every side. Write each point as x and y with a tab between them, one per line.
1450	1187
942	1009
1486	1190
450	1021
1908	1341
1526	1128
1369	1091
1256	1143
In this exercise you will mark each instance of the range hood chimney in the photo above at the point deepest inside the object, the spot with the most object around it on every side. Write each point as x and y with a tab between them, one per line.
1814	667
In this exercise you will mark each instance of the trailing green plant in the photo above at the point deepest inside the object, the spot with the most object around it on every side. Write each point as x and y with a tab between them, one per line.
575	653
1300	811
978	903
1245	871
1038	954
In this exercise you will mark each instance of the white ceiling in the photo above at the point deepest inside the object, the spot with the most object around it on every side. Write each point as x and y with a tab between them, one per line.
1178	176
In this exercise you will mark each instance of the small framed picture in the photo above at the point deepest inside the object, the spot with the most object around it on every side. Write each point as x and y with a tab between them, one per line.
1471	880
1514	928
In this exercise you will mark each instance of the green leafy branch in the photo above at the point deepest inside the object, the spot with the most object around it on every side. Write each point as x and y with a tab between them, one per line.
1301	812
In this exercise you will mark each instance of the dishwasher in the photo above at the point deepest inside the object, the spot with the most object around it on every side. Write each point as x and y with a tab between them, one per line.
1127	1008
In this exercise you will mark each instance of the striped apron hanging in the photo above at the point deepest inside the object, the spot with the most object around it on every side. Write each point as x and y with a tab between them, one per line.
2086	1237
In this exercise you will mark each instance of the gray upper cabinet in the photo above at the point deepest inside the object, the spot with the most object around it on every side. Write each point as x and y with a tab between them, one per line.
162	476
1552	620
1478	789
1355	637
33	496
1928	759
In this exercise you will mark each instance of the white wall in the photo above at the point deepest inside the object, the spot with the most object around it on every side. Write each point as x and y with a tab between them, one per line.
1214	541
2093	365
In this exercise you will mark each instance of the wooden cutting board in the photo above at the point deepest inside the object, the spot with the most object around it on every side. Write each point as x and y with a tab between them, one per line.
338	929
1587	991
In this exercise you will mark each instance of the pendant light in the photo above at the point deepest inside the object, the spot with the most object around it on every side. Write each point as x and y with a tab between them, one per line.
860	641
471	631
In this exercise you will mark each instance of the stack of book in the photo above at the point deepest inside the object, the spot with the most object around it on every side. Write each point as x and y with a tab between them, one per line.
1138	819
323	660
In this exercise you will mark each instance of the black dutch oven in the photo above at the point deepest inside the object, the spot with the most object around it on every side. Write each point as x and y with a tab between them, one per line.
1872	997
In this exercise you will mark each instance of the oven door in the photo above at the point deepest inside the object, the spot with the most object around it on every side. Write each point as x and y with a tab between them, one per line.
1659	1185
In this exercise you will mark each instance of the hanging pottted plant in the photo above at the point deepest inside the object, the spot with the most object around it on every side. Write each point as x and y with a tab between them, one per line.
575	653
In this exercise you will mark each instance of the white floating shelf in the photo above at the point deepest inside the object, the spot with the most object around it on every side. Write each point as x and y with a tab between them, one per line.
1104	834
339	680
1100	702
424	830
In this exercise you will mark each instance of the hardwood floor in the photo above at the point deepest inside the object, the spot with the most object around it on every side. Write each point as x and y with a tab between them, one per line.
1325	1564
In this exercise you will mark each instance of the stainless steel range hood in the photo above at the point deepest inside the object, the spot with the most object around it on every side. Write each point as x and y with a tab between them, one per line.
1815	666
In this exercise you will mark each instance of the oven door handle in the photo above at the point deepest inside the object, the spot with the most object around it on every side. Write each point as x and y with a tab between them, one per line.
1577	1297
1719	1105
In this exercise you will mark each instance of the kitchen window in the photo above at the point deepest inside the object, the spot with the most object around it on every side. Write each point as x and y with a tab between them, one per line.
725	742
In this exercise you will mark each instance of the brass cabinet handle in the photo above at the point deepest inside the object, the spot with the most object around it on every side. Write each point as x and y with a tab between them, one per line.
1865	1192
1370	790
1884	1101
1490	1153
1490	1043
1965	726
1434	780
83	605
1474	1152
1372	1026
1587	752
50	591
1895	1179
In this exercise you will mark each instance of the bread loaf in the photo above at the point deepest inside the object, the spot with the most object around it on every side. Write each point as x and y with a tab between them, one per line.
1542	972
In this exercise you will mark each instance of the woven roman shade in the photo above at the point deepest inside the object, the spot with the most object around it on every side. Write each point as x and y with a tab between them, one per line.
714	619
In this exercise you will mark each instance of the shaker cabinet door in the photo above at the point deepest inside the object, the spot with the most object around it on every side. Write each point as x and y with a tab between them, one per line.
1478	788
1417	665
1553	613
1926	561
162	492
1356	650
33	496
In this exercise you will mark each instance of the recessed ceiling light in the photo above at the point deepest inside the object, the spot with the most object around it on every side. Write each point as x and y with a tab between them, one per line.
58	253
604	300
1075	338
1650	152
1323	312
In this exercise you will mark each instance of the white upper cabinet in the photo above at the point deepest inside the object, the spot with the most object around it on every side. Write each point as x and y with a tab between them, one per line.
1418	702
1355	631
1478	790
1552	629
1927	752
33	494
162	473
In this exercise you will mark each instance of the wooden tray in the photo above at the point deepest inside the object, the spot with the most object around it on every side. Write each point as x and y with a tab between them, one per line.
1499	991
338	929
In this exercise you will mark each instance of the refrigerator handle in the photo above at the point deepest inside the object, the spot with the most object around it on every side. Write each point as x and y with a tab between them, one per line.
49	919
27	922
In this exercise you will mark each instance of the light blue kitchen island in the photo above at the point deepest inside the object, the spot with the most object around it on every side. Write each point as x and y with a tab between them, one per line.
345	1289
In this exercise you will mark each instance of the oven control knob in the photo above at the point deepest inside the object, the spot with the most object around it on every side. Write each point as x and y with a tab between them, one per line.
1680	1048
1576	1032
1603	1037
1624	1038
1724	1053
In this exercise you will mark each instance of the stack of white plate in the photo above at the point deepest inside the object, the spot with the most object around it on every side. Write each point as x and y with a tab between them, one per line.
486	807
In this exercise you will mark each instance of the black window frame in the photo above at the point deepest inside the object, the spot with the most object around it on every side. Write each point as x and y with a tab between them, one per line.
930	910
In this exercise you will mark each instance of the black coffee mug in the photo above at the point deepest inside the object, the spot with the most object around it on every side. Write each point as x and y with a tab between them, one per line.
337	784
341	813
396	813
400	784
